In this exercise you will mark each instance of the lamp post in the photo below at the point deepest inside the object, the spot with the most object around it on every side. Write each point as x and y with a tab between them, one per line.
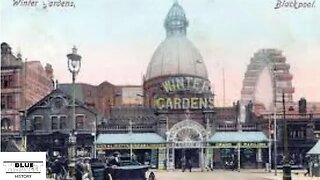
95	136
269	144
275	120
23	119
286	166
130	134
74	64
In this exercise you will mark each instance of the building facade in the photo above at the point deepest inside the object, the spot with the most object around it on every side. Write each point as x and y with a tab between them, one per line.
104	96
22	84
50	121
303	131
179	100
176	85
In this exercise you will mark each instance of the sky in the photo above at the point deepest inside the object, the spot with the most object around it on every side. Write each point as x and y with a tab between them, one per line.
116	38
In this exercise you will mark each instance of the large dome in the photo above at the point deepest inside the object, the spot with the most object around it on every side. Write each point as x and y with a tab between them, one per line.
176	55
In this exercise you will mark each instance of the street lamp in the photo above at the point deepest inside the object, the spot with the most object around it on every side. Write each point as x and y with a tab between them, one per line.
275	120
23	119
95	136
130	134
74	64
286	166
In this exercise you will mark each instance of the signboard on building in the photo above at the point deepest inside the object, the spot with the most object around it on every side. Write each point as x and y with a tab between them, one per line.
127	146
242	145
185	93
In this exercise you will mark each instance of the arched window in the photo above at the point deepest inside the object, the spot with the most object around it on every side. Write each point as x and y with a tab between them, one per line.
6	124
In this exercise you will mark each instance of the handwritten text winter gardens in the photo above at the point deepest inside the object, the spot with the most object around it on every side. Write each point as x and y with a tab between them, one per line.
44	3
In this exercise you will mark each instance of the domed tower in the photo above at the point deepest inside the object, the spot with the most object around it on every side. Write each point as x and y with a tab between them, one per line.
176	55
176	85
177	69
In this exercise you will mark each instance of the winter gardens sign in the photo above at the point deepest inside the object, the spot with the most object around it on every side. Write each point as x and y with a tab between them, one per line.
185	93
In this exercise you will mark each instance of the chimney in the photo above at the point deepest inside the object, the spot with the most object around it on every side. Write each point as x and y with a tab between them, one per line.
49	70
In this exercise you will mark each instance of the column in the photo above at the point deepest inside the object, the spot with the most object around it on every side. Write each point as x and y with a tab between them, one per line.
202	160
170	161
162	159
259	158
209	157
154	157
239	154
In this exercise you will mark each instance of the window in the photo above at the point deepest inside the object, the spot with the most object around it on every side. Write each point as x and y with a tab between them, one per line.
80	122
54	122
297	133
3	102
11	81
7	102
10	102
7	81
6	124
63	122
37	122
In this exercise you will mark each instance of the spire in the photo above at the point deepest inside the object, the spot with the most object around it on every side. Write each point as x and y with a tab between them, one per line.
176	22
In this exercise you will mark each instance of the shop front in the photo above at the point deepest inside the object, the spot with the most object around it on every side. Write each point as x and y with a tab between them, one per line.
238	149
146	148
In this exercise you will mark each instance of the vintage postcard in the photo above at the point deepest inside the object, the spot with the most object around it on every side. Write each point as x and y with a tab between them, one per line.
160	89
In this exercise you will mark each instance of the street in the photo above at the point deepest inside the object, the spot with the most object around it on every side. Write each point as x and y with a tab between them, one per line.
226	175
252	174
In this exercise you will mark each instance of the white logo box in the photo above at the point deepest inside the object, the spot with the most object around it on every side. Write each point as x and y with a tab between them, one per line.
23	165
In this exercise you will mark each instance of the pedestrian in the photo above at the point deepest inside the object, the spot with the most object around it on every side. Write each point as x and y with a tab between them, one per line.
57	169
87	173
189	164
183	163
79	169
209	166
308	171
152	176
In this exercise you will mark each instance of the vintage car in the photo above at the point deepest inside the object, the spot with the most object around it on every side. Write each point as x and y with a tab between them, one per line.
123	167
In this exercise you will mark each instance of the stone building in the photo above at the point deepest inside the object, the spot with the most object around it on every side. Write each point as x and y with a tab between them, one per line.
50	121
176	85
23	83
303	131
178	119
104	96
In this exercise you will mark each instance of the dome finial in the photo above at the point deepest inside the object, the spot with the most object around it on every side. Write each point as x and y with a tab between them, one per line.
176	22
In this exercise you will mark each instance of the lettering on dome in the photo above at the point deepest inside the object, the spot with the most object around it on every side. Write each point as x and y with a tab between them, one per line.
185	93
190	84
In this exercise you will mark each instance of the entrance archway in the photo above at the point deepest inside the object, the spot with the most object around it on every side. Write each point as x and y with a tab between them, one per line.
186	140
187	130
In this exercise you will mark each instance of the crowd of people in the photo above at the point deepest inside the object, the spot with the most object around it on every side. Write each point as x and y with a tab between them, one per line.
57	167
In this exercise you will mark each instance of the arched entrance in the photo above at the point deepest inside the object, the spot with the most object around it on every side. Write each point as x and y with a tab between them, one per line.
186	140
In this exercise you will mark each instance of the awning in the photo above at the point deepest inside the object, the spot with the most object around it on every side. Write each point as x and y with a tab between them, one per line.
134	138
315	150
238	137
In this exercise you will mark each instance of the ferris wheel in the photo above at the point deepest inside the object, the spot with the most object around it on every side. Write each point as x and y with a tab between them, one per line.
267	78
